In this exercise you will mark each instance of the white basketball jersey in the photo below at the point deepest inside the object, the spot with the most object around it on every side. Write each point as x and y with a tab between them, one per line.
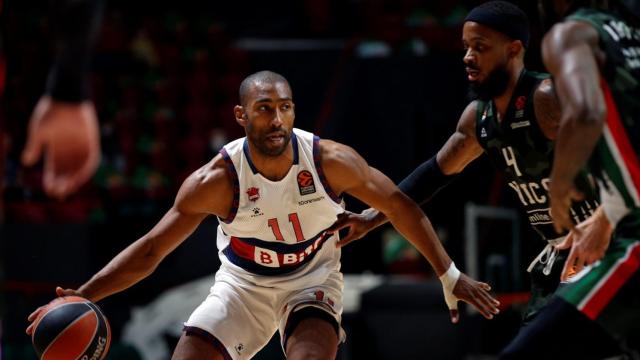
275	230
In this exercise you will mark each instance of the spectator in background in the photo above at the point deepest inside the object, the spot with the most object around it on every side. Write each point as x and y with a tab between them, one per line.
64	127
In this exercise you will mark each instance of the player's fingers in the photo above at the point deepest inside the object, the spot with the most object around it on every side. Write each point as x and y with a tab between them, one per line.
569	268
592	258
49	174
57	188
34	314
477	301
557	226
482	307
567	242
32	149
338	225
485	301
579	265
484	286
455	315
65	185
66	292
492	302
576	195
484	291
563	223
567	271
29	329
351	236
342	222
569	225
55	184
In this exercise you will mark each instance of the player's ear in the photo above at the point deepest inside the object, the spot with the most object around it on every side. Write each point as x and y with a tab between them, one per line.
241	116
515	47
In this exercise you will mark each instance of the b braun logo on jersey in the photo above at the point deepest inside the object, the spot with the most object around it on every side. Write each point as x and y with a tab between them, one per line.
270	258
305	183
253	193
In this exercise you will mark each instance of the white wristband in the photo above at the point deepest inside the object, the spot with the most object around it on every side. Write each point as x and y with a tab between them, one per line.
449	280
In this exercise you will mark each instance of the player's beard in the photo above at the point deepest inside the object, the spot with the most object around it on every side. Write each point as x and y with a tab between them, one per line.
494	85
260	142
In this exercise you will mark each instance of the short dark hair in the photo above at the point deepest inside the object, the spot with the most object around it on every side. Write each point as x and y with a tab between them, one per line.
503	17
264	76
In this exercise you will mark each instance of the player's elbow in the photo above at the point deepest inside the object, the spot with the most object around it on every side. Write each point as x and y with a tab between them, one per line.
587	114
148	258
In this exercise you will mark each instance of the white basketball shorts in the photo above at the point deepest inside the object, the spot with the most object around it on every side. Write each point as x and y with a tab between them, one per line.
244	316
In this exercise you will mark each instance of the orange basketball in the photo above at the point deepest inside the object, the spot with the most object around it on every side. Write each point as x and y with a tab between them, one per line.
71	328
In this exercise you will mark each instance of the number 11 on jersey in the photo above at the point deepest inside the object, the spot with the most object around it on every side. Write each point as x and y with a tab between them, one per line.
295	222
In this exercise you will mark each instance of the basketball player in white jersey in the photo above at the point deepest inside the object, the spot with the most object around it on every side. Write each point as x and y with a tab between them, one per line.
275	192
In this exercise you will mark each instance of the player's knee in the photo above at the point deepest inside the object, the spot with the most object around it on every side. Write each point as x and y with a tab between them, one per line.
197	344
311	350
312	337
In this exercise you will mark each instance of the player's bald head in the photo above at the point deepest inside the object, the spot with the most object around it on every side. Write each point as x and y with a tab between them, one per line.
257	80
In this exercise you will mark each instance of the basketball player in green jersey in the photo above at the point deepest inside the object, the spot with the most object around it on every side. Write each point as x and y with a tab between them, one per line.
594	57
514	121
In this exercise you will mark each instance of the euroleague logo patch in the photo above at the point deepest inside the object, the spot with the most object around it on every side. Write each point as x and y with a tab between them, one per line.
305	183
521	102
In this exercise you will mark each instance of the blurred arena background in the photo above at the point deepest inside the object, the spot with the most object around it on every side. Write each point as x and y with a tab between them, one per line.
384	76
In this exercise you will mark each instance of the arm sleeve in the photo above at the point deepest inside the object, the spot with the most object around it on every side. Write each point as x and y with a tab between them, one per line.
425	181
76	25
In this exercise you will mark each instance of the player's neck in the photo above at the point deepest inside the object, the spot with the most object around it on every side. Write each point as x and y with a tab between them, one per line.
273	168
502	101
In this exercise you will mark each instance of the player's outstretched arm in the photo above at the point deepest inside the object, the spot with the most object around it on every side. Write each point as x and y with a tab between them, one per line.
348	172
570	52
425	180
206	191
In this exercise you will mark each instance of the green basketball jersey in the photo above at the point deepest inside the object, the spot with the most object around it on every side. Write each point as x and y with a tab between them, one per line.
517	146
615	159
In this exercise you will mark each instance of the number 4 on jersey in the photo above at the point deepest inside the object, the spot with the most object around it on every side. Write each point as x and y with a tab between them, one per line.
510	159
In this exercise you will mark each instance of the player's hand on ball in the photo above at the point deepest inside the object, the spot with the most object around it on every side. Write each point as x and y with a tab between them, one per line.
60	292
